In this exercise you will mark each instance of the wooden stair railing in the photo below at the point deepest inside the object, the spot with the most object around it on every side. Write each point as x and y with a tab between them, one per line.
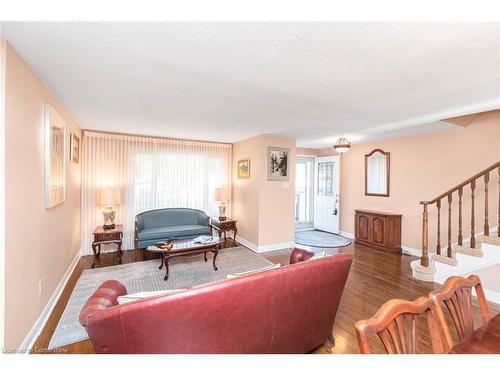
484	174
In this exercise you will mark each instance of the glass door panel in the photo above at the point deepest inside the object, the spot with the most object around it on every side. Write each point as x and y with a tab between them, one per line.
304	192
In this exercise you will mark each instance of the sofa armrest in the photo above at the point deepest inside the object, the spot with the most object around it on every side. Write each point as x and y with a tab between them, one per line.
104	297
299	255
204	219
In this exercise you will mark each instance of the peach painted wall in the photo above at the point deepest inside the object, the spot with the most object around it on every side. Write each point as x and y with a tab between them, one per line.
245	192
422	167
307	152
40	243
264	209
3	48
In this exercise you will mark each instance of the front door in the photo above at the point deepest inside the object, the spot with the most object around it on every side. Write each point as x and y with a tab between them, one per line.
326	194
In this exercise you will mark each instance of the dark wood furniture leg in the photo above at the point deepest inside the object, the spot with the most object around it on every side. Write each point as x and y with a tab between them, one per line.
166	268
96	254
234	239
120	252
215	251
161	259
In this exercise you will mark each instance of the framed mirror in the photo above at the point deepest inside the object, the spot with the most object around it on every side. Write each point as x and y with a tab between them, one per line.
55	150
377	172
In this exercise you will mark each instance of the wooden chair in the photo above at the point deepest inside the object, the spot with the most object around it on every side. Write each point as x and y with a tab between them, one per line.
456	295
395	325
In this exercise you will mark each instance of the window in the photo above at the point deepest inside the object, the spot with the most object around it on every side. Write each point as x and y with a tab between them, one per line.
325	179
151	173
172	178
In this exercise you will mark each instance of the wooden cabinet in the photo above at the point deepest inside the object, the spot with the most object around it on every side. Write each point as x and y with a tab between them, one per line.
378	230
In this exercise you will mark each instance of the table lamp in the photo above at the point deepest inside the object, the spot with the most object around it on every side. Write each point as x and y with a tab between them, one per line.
222	195
108	198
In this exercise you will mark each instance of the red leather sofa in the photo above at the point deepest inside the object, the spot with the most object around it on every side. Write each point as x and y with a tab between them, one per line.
290	309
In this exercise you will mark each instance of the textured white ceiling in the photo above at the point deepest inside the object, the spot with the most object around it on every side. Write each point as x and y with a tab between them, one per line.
230	81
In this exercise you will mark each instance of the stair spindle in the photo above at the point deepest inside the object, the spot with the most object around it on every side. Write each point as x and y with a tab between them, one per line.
438	245
449	226
424	261
460	237
472	220
486	224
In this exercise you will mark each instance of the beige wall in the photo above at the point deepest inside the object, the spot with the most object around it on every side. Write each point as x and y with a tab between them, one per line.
3	48
39	243
307	151
422	167
264	209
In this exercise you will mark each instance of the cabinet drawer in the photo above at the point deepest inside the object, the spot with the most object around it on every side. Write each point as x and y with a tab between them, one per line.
108	236
226	226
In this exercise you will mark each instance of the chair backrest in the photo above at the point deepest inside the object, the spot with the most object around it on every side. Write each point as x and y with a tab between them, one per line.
456	295
396	326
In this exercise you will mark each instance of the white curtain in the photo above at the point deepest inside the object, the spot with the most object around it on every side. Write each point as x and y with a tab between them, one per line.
151	173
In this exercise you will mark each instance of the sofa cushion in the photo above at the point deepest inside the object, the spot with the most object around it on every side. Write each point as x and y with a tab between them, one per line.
172	231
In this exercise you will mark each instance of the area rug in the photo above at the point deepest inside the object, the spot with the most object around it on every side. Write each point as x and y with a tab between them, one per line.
319	238
145	276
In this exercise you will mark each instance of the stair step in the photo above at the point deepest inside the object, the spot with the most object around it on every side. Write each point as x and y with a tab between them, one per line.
490	240
477	252
445	260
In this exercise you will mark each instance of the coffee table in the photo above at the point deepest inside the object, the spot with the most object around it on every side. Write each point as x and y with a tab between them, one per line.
183	247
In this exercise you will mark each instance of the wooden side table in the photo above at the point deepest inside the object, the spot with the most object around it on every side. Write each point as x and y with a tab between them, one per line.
106	236
224	226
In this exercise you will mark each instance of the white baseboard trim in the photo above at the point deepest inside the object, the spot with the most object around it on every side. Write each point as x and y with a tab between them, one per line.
347	234
35	331
411	251
265	248
304	229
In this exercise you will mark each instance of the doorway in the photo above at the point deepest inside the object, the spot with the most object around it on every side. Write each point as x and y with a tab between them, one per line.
304	193
326	194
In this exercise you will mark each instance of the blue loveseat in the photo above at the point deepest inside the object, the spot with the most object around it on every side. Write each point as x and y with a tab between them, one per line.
156	225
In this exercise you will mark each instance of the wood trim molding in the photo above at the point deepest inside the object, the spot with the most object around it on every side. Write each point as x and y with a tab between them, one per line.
388	166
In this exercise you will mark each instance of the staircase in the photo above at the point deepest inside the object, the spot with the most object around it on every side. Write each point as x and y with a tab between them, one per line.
469	251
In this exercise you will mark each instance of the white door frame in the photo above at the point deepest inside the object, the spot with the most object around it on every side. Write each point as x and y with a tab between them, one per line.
336	192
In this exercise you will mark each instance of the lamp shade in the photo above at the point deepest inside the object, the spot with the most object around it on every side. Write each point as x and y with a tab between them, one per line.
222	194
109	197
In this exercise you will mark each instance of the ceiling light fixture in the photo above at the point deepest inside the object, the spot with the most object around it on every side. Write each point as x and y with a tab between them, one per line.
342	145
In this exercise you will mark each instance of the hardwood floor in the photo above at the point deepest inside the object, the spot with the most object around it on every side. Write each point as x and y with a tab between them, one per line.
375	277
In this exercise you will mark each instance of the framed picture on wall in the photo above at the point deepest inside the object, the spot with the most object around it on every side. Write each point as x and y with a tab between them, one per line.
244	169
74	148
54	157
278	168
